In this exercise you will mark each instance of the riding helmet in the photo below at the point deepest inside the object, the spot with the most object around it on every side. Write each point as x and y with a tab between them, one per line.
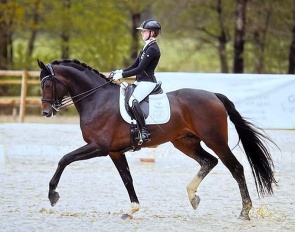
151	25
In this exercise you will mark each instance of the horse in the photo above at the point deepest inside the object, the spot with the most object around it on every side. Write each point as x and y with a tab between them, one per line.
196	115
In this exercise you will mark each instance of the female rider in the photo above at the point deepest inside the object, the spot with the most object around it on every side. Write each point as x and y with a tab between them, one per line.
143	68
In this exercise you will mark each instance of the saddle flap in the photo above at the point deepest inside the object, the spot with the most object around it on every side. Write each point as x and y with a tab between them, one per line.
156	107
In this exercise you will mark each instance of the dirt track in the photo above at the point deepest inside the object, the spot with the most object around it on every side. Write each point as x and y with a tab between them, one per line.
93	196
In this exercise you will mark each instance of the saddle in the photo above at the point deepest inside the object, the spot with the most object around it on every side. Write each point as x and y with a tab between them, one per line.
144	104
155	107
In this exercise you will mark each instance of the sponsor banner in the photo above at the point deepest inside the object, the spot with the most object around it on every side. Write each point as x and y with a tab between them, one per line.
266	100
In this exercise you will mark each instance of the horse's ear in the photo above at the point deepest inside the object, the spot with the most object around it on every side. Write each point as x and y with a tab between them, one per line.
41	64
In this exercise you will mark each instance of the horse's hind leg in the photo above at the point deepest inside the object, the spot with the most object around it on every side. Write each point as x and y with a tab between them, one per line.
237	171
222	150
191	147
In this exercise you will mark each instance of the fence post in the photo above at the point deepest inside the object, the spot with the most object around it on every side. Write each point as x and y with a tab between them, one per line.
23	96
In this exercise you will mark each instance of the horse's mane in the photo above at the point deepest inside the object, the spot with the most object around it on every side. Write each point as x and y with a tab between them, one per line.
79	65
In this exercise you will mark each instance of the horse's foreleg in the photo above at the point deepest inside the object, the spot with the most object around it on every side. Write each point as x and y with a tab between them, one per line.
122	166
191	147
86	152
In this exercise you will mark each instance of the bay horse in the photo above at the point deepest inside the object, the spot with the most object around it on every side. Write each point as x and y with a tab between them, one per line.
196	115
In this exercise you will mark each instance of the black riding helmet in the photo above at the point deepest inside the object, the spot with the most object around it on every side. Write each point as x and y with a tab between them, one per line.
151	25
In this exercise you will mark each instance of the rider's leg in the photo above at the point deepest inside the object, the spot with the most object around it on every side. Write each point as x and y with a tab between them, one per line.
139	116
142	90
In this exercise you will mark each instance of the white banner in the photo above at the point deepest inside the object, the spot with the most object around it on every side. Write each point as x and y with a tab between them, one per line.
267	100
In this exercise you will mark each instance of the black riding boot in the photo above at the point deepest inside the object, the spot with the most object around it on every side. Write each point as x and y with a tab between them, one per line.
139	117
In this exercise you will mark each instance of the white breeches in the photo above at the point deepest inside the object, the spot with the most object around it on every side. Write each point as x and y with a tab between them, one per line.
142	89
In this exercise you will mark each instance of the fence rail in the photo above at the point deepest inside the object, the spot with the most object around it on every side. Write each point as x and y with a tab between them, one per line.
23	100
25	78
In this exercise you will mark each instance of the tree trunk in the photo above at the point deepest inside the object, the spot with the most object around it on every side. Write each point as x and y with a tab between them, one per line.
222	39
259	44
4	38
65	33
134	33
222	55
291	68
34	30
239	42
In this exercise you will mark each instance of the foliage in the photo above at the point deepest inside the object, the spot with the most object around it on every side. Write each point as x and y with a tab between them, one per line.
100	32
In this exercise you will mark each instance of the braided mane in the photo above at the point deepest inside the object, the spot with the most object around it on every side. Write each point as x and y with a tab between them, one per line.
78	65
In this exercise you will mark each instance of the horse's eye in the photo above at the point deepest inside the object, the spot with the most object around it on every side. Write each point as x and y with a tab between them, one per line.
47	85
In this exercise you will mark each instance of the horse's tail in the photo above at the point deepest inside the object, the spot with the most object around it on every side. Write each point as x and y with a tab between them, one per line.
257	153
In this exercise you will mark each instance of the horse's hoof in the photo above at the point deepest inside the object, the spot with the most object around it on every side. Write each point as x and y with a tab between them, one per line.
53	197
244	217
126	216
195	202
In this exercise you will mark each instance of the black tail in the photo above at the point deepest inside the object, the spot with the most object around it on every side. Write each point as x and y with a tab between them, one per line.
257	153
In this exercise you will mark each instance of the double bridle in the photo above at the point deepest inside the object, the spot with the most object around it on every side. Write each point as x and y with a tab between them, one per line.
58	104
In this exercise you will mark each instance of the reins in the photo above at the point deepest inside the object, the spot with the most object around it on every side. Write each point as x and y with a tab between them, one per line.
67	101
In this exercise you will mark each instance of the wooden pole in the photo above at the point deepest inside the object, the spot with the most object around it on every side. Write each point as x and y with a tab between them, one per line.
23	96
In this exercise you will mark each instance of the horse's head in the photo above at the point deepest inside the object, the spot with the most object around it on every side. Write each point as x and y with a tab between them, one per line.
53	90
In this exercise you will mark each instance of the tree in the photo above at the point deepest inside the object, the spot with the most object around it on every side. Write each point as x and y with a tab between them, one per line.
196	33
90	31
223	38
8	17
258	21
135	9
206	22
216	30
33	28
4	60
291	66
239	40
65	29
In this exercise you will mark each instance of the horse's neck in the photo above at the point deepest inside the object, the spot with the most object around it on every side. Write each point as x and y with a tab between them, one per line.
85	84
93	95
88	89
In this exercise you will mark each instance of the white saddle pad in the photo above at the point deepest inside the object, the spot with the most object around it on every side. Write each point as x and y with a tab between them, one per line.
159	109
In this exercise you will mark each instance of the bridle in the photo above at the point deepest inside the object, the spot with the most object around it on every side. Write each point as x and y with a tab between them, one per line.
58	104
54	101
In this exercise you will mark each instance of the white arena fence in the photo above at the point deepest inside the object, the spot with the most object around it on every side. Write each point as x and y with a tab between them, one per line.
266	100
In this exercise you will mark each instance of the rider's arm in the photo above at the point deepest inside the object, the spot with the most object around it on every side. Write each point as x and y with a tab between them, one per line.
134	65
149	55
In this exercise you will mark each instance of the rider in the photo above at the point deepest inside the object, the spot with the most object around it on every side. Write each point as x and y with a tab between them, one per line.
143	67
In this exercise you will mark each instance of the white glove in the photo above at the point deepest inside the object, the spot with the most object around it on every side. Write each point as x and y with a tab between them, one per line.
117	75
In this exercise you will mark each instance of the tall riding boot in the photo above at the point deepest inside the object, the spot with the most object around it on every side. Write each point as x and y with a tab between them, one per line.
139	117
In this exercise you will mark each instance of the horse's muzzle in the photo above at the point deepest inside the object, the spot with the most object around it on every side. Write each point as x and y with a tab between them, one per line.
47	110
46	114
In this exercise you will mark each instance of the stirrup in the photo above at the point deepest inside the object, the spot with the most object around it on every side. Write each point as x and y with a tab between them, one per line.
144	136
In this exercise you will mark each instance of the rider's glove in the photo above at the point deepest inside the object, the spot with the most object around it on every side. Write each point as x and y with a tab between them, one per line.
117	75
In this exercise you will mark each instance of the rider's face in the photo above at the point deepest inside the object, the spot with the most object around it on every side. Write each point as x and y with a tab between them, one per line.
145	34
